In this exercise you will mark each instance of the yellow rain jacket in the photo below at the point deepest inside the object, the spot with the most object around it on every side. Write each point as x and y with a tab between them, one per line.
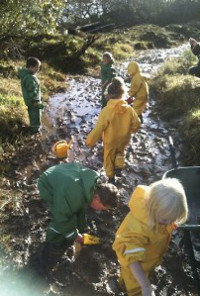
115	124
139	88
136	242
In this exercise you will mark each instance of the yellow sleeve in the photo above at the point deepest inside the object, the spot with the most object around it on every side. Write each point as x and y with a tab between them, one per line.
135	125
97	131
136	83
130	248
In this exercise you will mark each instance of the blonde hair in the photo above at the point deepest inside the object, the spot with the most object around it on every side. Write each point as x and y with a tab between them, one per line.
116	88
166	198
109	56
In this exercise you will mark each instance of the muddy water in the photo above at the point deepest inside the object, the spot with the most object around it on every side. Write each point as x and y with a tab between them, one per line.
72	115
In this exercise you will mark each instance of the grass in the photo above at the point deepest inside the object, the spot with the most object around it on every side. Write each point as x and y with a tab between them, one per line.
13	112
178	101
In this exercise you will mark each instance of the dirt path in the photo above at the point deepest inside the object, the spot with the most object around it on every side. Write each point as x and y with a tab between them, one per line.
72	115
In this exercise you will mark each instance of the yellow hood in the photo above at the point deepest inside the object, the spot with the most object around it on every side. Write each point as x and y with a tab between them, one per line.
119	106
135	241
133	68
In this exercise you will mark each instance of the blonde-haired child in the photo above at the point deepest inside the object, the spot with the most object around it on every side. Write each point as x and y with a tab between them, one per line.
139	88
107	73
115	124
145	233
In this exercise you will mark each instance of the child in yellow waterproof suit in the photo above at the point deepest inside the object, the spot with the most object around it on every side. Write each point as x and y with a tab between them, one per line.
139	88
145	233
115	124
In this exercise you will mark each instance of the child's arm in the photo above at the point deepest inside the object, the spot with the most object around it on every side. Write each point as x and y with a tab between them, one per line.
97	131
111	73
32	89
142	279
135	86
104	85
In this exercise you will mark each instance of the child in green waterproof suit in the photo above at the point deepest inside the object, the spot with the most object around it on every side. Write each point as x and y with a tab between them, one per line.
107	73
68	188
31	92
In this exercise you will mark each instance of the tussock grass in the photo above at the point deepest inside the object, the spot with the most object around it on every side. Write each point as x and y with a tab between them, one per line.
122	51
178	101
178	65
118	44
123	43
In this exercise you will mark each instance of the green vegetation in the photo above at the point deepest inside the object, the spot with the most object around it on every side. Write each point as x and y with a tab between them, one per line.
178	101
13	112
21	18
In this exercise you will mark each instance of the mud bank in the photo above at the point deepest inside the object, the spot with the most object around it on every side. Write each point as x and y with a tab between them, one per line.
71	116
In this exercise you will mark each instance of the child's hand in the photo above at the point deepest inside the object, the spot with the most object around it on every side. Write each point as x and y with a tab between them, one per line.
130	100
147	291
79	239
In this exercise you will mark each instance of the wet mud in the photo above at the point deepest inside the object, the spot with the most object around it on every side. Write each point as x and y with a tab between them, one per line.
72	115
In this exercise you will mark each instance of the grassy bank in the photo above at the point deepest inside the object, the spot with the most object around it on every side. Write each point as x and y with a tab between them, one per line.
178	102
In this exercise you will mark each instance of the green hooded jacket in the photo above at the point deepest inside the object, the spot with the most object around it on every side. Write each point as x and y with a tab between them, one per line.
30	86
107	72
68	188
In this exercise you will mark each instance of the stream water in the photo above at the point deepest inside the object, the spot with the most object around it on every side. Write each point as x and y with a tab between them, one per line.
71	115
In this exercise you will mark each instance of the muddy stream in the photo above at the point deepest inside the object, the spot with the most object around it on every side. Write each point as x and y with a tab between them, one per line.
71	115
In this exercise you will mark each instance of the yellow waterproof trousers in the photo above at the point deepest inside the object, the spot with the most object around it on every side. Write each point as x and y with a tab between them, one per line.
139	104
127	280
128	283
113	159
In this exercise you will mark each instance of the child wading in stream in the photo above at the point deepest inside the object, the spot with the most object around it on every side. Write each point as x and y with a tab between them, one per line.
115	124
31	92
107	73
145	233
139	88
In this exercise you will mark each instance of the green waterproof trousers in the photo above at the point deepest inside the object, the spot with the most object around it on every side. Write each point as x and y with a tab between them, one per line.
34	118
53	237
